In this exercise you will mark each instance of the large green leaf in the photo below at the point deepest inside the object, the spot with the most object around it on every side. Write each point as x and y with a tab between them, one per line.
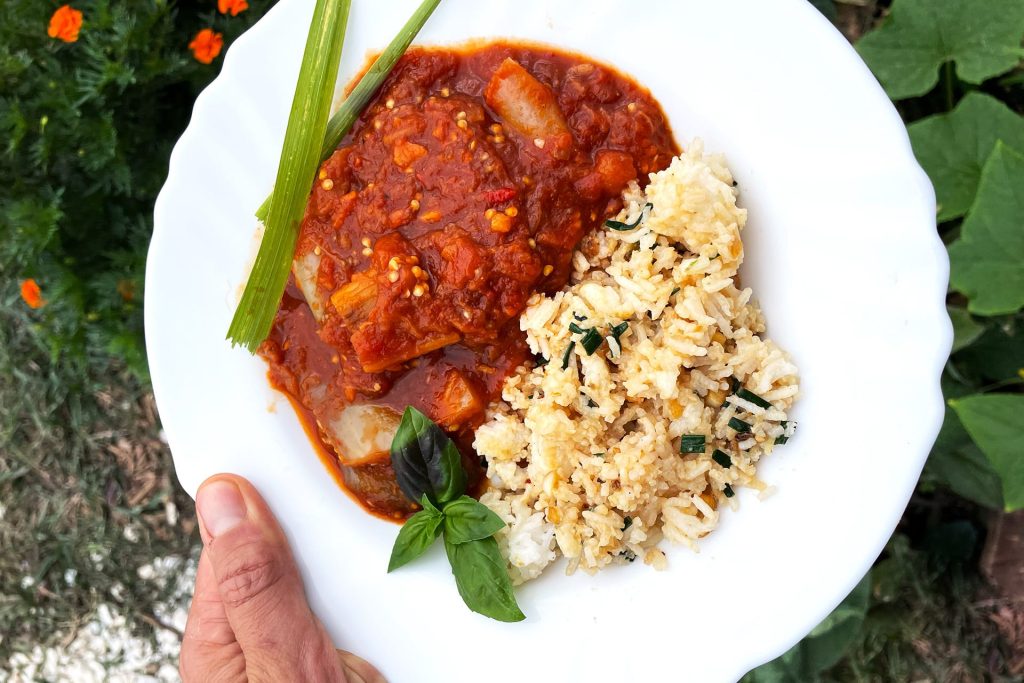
956	462
987	262
982	37
996	423
823	646
954	147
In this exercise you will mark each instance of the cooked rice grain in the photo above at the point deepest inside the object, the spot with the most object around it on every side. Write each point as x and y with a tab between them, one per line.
572	453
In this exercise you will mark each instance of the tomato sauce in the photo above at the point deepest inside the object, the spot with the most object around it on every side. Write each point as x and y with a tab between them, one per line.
461	190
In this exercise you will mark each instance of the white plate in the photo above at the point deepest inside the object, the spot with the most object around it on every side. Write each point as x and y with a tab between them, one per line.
841	251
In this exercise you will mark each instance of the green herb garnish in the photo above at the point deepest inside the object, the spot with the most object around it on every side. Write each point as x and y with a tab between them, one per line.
739	425
779	440
567	355
753	398
540	361
618	330
428	468
599	455
591	341
729	493
627	522
722	458
579	317
622	227
692	443
576	329
674	291
300	155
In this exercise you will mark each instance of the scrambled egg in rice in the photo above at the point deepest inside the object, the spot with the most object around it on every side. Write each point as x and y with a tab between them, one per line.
655	393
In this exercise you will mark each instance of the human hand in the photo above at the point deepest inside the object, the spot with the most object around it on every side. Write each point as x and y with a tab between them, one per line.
249	619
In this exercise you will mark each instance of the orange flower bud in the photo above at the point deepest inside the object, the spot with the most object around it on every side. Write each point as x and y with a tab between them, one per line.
65	24
206	45
232	6
31	293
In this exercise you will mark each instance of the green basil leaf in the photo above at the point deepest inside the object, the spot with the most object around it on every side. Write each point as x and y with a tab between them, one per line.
466	519
415	536
425	460
482	579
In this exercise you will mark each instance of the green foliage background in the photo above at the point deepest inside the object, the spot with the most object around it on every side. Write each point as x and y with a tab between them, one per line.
86	130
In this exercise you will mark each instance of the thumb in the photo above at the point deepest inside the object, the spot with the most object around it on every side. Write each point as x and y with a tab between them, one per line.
260	586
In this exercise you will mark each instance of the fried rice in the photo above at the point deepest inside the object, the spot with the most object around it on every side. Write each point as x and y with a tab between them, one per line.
595	452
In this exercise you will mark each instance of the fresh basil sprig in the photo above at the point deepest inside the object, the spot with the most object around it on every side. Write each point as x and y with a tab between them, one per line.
428	468
425	460
416	535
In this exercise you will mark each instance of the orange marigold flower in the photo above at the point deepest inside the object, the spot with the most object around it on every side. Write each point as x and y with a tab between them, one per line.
232	6
31	293
206	45
65	24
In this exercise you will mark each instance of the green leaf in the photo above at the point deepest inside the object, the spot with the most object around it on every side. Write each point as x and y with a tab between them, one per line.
466	519
968	473
987	261
415	536
425	460
981	37
823	646
482	579
300	155
995	423
965	330
953	148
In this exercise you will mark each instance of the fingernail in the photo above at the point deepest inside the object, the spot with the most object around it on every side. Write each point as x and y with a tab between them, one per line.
221	507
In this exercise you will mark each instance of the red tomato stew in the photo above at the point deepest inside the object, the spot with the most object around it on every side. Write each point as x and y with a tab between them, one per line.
462	190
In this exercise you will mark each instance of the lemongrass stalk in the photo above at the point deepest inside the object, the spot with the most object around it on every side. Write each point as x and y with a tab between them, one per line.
357	100
300	157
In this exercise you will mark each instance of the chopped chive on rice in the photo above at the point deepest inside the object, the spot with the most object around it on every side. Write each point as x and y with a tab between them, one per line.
753	398
591	341
567	355
622	227
576	329
674	291
779	440
692	443
735	384
627	522
739	425
614	348
579	317
729	493
618	330
599	455
722	458
540	361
